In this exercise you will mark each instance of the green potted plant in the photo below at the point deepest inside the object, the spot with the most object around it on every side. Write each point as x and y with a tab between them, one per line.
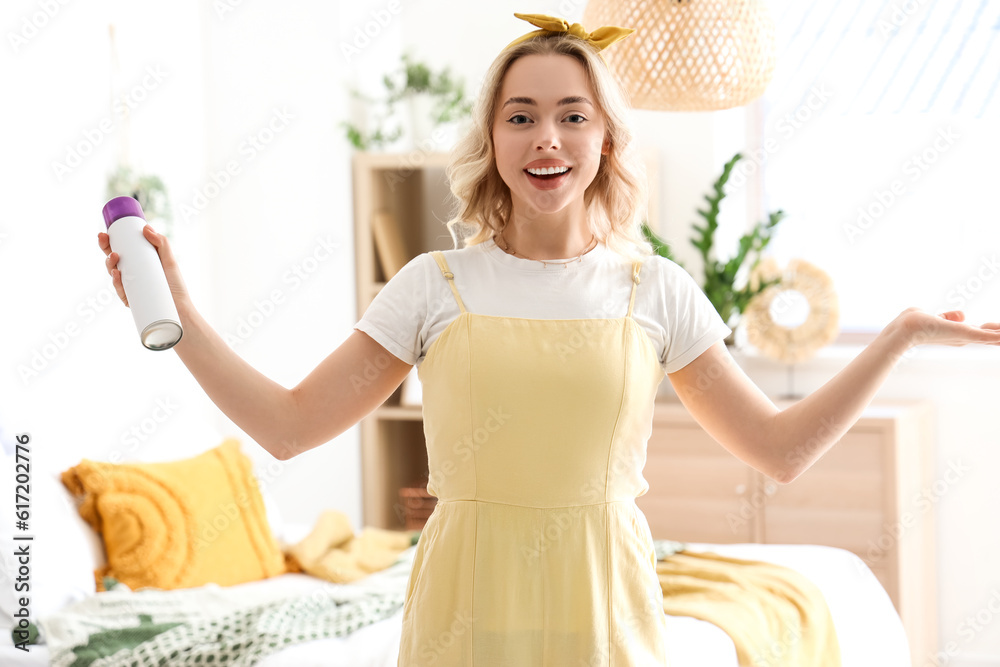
719	283
434	99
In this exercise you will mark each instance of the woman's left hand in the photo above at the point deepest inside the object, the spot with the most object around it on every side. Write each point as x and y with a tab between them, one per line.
922	328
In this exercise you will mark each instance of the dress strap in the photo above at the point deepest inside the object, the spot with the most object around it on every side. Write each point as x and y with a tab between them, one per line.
636	268
450	277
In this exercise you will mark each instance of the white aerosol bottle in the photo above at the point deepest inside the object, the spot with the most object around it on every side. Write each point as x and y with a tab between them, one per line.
145	283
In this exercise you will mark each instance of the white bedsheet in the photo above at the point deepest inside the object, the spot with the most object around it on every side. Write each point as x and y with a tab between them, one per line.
869	630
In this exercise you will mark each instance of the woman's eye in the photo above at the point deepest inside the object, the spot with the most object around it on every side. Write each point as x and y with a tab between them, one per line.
521	119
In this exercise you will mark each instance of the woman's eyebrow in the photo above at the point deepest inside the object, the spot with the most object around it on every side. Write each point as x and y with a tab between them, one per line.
573	99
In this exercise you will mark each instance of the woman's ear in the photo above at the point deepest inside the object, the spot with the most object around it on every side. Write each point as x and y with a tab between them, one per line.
606	146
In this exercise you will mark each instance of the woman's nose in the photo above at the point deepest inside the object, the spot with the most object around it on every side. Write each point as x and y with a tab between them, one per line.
547	137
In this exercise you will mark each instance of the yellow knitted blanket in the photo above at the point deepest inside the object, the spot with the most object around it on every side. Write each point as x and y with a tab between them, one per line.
775	616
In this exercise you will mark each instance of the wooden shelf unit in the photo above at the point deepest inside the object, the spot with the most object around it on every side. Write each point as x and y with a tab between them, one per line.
412	189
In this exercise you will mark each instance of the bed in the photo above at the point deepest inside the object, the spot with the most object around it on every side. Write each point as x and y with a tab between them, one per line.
66	551
868	628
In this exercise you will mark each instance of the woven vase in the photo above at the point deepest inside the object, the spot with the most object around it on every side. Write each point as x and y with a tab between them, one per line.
689	55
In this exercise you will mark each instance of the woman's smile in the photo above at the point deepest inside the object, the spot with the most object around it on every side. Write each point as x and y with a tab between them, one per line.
547	174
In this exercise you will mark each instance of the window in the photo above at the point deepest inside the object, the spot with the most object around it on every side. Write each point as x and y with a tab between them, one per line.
875	137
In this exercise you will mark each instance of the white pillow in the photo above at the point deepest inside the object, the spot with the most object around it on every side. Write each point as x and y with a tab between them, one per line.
63	555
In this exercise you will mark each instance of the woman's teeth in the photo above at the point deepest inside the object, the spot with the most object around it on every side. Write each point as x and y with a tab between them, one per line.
547	171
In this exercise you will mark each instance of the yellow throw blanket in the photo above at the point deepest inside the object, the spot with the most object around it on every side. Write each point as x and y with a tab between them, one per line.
775	615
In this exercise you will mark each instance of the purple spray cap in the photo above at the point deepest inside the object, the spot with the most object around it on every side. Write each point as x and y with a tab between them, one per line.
121	207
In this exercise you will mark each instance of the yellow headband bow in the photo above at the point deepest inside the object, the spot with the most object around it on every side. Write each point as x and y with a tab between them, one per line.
600	38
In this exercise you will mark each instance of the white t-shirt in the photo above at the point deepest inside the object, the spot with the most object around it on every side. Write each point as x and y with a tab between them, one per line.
416	305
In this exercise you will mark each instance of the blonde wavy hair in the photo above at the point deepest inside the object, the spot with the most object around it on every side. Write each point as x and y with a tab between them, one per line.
616	200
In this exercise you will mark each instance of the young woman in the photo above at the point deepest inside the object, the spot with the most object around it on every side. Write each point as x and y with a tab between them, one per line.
540	345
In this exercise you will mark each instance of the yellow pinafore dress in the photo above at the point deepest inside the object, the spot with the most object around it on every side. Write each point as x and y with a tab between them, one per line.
536	553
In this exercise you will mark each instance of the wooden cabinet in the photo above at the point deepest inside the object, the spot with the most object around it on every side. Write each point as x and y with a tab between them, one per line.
871	494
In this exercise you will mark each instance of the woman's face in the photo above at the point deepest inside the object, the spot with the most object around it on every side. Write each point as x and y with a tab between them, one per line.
547	116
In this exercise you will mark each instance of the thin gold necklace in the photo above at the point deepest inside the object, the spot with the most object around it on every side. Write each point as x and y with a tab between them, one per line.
507	247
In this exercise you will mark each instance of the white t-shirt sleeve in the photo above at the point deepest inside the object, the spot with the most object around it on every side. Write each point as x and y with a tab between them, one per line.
692	323
397	316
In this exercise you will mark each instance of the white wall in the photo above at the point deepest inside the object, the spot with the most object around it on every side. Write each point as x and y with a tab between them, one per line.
256	87
225	75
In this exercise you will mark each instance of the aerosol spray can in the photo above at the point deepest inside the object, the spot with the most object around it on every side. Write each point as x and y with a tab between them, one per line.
145	283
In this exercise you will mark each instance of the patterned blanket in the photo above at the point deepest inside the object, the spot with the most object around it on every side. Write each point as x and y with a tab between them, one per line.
215	625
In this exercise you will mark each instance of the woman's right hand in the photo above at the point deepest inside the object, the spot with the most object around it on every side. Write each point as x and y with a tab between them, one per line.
177	288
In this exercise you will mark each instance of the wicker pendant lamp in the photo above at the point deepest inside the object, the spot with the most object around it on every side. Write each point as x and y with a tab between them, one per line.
689	55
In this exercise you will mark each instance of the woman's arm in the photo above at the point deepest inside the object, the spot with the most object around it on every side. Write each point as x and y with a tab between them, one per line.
783	444
352	381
